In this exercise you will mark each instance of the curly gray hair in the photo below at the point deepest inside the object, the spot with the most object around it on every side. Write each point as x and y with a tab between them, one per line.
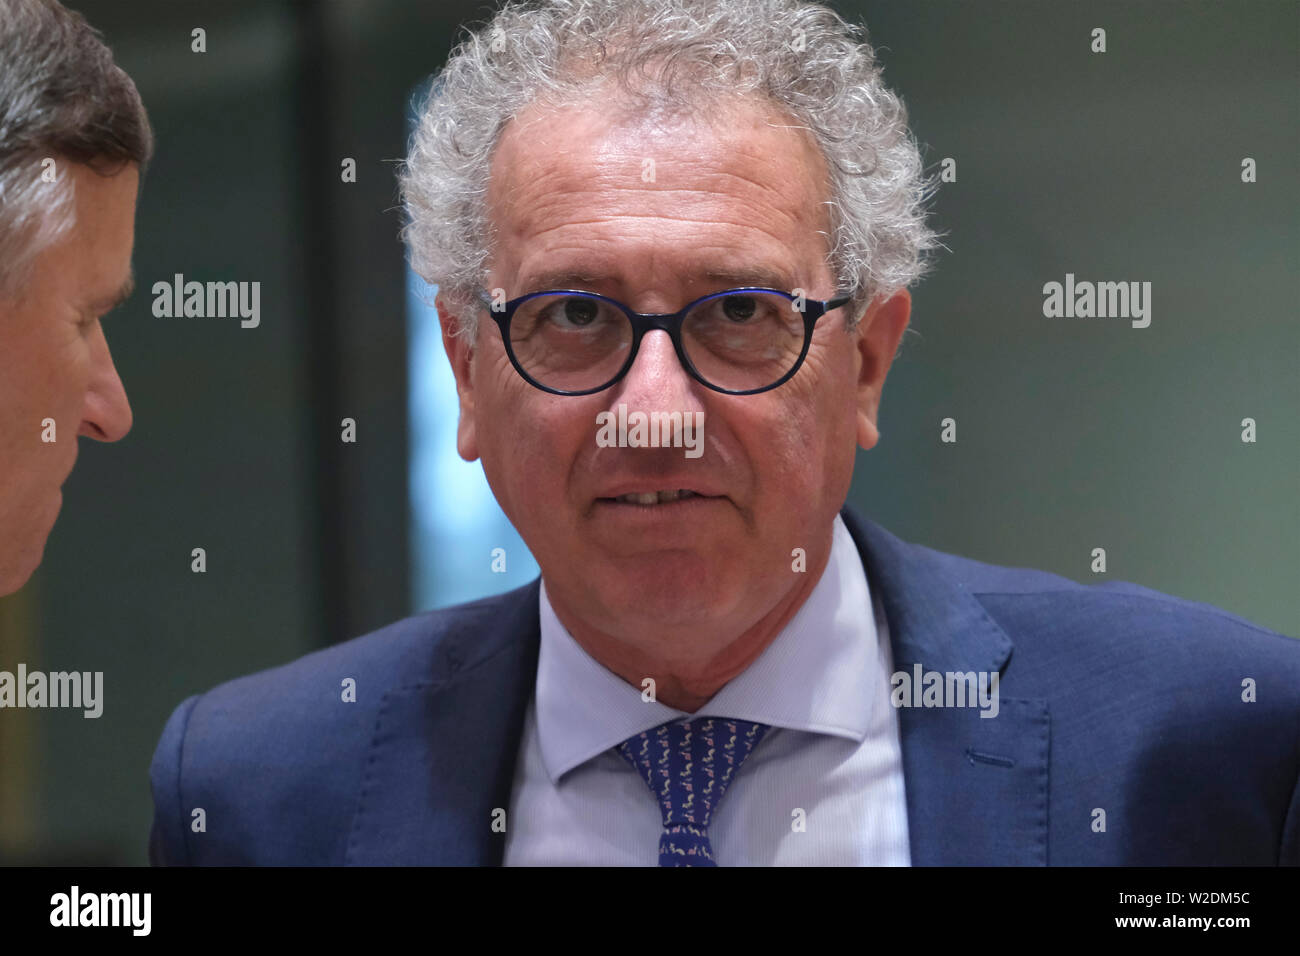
670	55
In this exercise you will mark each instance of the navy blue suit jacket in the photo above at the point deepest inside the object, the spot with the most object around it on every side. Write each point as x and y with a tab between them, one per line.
1113	697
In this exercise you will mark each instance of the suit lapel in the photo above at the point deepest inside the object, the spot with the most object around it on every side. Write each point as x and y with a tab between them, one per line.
442	758
976	786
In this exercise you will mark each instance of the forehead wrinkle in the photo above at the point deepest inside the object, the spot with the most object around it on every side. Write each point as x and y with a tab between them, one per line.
748	225
797	213
528	195
612	175
783	249
556	180
615	269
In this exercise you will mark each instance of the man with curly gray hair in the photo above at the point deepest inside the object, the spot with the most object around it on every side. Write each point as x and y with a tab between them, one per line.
673	241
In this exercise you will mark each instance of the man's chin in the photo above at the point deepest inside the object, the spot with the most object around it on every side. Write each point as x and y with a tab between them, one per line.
699	524
17	569
11	581
668	590
23	549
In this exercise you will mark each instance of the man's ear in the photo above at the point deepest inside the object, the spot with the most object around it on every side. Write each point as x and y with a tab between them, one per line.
460	352
876	337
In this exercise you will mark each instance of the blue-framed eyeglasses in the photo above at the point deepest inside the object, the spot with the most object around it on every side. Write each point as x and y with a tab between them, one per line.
738	342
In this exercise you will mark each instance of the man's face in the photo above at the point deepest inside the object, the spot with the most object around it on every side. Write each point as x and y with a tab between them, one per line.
55	364
569	193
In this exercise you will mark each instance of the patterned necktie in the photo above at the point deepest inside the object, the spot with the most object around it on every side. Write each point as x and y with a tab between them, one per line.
688	765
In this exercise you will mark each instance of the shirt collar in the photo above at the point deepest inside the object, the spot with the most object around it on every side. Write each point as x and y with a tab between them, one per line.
817	675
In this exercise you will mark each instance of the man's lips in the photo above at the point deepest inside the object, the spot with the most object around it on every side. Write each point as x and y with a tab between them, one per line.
658	498
663	489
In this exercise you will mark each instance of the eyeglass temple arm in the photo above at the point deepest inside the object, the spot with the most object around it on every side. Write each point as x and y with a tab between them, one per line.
839	300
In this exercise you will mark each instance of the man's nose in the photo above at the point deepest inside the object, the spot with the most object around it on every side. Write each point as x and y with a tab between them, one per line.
657	381
106	415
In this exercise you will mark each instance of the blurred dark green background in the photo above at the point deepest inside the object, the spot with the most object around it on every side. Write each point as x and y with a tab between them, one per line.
1073	434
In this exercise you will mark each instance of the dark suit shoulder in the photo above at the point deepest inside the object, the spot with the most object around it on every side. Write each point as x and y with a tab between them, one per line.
1021	598
422	649
1163	710
275	759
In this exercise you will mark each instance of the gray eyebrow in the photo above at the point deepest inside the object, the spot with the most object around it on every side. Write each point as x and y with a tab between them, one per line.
757	277
111	302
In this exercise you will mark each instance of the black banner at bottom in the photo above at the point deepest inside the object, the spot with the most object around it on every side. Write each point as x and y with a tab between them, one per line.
333	906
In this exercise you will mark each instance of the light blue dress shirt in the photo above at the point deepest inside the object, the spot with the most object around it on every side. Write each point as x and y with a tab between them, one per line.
823	788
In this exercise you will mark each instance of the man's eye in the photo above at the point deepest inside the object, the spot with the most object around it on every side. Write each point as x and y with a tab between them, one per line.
575	313
739	308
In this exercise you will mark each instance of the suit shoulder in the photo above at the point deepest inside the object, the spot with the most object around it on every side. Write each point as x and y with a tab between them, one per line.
1034	590
276	759
1062	626
1059	626
421	649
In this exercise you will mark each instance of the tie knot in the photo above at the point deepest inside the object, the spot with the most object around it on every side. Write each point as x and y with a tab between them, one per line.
688	765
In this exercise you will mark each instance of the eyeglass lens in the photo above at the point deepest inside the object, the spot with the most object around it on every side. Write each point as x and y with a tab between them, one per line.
736	342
